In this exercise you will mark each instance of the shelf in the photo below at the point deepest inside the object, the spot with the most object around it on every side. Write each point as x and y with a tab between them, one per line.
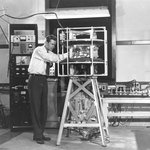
83	61
89	62
129	114
84	41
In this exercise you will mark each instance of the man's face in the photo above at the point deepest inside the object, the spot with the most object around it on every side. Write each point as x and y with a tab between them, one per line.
51	45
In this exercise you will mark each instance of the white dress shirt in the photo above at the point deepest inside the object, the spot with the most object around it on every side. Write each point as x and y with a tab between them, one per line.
39	58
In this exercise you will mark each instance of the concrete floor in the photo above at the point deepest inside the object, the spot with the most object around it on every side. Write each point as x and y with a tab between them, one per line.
121	138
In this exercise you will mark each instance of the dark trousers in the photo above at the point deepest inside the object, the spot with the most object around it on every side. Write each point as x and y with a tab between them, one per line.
38	88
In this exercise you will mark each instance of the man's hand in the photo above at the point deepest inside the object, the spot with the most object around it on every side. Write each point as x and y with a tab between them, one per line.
50	64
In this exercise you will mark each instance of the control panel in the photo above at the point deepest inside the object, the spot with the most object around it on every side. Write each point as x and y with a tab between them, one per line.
23	40
22	44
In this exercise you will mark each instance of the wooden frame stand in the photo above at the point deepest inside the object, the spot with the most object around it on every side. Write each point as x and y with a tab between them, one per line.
83	107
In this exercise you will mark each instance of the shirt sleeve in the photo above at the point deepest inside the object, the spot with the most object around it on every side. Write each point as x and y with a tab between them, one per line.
48	57
62	56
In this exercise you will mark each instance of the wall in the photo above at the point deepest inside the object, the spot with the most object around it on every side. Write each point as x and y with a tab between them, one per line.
133	24
17	8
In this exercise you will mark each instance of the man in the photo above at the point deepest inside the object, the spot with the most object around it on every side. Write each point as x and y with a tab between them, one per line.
38	87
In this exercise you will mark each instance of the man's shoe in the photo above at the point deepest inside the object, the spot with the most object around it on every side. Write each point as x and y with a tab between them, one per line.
39	140
46	138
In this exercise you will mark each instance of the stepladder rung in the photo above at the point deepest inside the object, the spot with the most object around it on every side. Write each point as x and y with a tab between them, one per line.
83	110
81	125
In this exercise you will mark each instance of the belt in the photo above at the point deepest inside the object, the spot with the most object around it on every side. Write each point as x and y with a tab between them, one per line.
38	75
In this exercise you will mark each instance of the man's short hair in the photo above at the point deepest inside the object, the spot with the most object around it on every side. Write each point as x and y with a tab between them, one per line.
50	37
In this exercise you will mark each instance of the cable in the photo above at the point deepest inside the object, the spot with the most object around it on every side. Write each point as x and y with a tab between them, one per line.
57	17
33	16
26	17
4	34
2	9
4	20
57	5
2	15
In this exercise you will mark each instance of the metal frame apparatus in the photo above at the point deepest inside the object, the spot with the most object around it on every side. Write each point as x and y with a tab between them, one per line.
87	59
87	51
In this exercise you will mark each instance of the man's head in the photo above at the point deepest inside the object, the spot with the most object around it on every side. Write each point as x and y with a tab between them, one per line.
50	42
